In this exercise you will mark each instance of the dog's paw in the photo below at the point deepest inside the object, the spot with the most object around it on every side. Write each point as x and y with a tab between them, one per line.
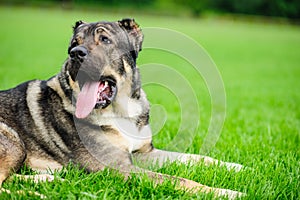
21	192
37	178
42	178
230	194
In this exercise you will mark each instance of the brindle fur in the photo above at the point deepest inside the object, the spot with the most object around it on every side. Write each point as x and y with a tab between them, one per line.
38	127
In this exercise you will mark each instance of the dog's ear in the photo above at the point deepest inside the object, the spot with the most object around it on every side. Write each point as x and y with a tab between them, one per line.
135	33
77	24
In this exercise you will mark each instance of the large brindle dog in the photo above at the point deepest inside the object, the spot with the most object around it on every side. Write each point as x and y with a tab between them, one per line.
94	113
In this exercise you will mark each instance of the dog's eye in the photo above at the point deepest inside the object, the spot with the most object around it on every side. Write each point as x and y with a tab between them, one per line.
105	39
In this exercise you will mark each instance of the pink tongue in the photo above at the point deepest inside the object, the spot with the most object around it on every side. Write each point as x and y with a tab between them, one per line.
87	99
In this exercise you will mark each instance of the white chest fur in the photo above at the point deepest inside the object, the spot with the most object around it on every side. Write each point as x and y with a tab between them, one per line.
122	117
134	137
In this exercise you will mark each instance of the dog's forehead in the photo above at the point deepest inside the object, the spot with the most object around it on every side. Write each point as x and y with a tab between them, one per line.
89	28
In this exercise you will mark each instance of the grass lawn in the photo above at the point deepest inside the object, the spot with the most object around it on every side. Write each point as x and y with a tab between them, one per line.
260	67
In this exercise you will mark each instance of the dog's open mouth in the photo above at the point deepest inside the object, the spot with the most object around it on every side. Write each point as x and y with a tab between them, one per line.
95	94
105	94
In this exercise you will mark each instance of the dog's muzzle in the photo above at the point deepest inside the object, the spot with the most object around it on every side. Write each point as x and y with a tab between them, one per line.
95	92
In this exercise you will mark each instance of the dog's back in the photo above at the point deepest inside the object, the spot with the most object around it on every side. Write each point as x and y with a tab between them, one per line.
13	107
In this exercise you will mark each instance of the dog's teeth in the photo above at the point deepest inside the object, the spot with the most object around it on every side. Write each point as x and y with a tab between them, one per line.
105	83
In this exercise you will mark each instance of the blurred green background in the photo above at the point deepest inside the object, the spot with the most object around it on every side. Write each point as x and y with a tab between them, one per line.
280	8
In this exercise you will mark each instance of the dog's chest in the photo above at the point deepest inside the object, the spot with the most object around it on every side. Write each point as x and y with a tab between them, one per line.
135	137
125	135
124	132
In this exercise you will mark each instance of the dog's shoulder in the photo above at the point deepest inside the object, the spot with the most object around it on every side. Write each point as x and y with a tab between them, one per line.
12	98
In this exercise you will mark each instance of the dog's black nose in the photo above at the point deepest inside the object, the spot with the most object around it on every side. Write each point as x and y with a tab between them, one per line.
78	52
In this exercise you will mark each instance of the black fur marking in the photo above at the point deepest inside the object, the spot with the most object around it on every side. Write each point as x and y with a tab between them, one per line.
23	125
78	23
136	84
134	56
107	128
63	129
51	111
63	80
128	23
73	44
73	69
45	148
143	119
121	69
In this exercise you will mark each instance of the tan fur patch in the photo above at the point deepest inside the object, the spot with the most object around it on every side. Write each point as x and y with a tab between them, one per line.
42	164
10	131
33	95
54	84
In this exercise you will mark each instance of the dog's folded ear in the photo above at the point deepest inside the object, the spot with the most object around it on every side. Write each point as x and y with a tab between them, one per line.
134	32
77	24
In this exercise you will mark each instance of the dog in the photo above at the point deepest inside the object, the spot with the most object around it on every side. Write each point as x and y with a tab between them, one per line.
93	113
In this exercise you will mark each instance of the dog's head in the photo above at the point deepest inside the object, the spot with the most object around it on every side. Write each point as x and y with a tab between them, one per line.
102	60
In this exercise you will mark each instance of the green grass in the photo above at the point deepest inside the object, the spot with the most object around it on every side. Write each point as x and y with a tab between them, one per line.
259	64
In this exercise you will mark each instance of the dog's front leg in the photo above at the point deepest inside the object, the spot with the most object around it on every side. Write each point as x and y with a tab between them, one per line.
160	157
180	183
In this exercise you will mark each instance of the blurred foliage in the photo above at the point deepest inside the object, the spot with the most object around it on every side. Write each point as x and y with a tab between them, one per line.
279	8
113	2
197	7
